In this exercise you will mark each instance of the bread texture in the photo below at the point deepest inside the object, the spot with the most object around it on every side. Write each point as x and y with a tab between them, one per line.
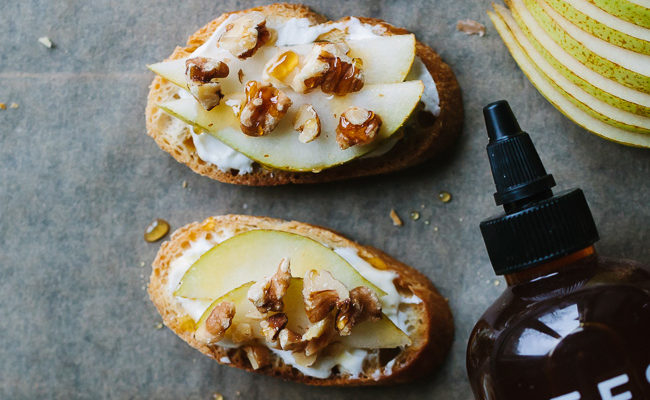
431	320
418	144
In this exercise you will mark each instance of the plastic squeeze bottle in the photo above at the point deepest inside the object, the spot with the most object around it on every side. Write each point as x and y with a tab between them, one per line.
570	325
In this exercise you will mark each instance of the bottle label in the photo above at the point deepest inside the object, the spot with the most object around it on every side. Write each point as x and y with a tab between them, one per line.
609	389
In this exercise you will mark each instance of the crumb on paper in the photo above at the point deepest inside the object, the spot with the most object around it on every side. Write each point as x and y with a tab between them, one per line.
396	219
415	215
184	184
496	282
13	105
45	41
427	222
159	325
460	219
142	264
471	27
435	228
217	396
3	106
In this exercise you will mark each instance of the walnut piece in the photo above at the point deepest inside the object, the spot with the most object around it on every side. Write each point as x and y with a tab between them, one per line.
318	336
329	66
216	324
202	76
258	356
241	333
362	305
321	293
471	27
245	35
266	294
290	340
272	326
357	126
263	108
307	123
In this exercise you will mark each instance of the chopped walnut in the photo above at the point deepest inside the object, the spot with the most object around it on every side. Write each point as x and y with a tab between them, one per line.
266	294
362	305
216	324
258	356
471	27
329	66
241	333
272	326
357	126
321	293
202	77
263	108
290	340
307	123
318	336
245	35
397	221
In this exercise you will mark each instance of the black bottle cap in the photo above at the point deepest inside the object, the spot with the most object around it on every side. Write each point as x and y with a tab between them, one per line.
537	226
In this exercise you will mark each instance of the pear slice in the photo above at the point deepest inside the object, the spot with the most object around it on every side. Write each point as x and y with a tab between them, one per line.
575	94
367	335
628	10
553	95
256	254
605	89
281	149
626	67
386	59
599	23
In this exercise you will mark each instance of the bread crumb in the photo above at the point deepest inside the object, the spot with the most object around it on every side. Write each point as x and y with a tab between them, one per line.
471	27
3	106
415	215
217	396
496	282
435	228
45	41
159	325
142	264
427	222
396	219
13	105
184	184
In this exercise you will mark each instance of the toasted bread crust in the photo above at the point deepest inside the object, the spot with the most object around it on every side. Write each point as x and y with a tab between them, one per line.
414	148
431	338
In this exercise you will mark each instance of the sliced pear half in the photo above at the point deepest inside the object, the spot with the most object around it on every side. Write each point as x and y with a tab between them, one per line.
256	254
565	106
281	149
607	90
367	335
588	103
626	67
599	23
632	11
386	59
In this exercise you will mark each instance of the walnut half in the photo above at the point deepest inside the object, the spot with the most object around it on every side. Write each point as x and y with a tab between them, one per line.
216	324
329	66
321	293
357	126
245	35
266	294
263	108
362	305
202	80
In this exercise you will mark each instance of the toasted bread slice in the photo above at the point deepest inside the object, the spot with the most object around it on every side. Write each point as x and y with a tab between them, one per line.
430	321
417	145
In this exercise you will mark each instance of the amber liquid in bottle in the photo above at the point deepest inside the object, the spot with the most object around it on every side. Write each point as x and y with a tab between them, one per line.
575	328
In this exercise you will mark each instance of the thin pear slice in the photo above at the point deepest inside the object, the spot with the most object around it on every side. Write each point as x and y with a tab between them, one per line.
256	254
575	94
554	96
605	26
367	335
281	149
605	89
624	66
386	59
630	11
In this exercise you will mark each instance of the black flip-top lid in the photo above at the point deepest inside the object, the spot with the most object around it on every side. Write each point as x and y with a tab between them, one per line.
537	226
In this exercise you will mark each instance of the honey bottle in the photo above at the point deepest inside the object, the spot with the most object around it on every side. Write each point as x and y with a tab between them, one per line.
571	324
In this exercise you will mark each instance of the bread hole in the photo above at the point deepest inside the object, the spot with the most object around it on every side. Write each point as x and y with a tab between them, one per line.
234	172
176	96
189	144
185	245
387	355
208	236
